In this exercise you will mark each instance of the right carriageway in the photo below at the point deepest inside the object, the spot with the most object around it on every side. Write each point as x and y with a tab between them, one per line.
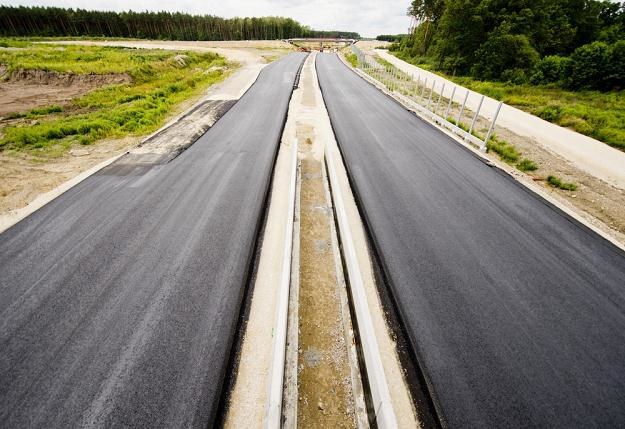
513	311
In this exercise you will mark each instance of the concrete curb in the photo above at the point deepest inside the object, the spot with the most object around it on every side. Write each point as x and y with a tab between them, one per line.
378	385
273	415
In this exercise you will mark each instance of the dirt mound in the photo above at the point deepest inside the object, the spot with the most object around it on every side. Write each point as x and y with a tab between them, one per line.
28	89
42	77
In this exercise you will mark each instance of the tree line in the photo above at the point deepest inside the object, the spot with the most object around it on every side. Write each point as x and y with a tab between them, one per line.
25	21
390	37
574	43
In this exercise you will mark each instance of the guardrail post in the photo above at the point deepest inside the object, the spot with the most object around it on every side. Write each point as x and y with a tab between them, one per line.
479	106
425	83
451	99
492	127
416	88
462	109
430	98
440	96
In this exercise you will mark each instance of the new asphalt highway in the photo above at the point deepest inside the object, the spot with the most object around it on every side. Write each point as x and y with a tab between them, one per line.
514	311
119	300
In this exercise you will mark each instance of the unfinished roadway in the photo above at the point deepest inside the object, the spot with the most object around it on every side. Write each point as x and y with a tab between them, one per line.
514	311
121	298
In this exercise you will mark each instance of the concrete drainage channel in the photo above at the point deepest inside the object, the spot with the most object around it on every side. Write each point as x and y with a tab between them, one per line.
319	376
315	202
317	348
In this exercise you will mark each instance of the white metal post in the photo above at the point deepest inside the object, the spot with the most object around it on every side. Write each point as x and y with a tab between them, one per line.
425	83
416	88
451	99
477	112
430	98
440	96
394	78
492	127
462	109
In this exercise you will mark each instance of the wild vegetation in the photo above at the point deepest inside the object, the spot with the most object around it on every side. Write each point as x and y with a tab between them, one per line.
575	43
160	80
556	182
351	58
59	22
562	60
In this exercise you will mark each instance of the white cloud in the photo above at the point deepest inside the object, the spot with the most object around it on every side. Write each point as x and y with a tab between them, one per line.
367	17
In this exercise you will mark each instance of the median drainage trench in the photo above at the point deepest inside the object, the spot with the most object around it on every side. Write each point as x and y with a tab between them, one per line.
315	349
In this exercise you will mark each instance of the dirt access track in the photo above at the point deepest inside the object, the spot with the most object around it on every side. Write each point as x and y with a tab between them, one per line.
26	178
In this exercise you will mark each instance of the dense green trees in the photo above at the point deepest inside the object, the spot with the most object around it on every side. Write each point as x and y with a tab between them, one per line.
577	43
52	21
390	37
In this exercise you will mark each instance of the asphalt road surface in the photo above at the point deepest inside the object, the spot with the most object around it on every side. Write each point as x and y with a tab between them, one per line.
119	300
515	311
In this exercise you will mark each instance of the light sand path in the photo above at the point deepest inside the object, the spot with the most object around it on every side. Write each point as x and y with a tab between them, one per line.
588	154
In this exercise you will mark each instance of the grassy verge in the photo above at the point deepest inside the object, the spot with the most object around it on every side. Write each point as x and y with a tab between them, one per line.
160	81
556	182
527	165
596	114
351	58
506	151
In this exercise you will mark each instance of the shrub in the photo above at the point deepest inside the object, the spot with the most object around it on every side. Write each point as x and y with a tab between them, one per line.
550	69
615	78
556	182
550	113
514	76
505	150
352	59
509	53
527	165
590	66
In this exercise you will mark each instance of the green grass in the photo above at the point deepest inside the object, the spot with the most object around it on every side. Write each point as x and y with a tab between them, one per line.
383	62
352	59
34	113
137	108
505	150
599	115
556	182
527	165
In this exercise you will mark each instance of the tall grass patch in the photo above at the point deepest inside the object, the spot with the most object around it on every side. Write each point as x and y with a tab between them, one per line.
158	84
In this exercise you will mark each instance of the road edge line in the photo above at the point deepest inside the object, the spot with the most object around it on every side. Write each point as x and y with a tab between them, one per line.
378	385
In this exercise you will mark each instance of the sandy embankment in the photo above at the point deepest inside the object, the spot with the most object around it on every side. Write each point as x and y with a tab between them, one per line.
26	179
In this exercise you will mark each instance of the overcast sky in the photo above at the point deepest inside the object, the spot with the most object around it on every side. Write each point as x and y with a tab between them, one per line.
367	17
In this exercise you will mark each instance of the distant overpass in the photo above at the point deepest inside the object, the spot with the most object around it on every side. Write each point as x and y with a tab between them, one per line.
302	41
